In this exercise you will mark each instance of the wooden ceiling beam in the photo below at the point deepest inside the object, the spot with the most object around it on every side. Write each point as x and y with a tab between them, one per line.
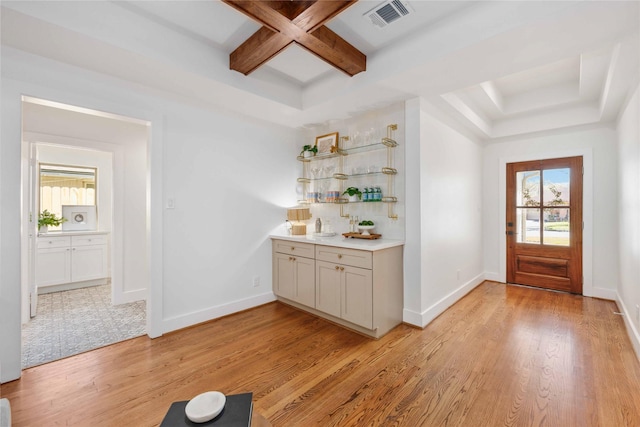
307	29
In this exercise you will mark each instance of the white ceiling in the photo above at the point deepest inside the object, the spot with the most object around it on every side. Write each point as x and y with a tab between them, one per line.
492	69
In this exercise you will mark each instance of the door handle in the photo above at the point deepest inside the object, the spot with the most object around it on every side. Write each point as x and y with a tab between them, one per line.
511	233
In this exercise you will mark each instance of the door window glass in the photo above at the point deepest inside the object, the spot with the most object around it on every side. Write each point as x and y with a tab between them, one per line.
542	211
528	188
555	196
528	225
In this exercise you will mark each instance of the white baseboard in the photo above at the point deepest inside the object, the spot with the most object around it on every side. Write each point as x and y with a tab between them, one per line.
423	319
130	296
71	286
632	331
190	319
412	318
603	293
494	277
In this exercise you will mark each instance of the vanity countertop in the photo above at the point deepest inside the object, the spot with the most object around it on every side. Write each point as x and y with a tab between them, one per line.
62	233
342	242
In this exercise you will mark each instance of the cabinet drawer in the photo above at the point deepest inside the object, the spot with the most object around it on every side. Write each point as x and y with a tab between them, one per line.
293	248
352	257
53	242
88	240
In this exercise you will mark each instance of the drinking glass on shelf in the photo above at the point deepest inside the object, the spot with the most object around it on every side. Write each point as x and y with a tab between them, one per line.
355	137
371	135
315	171
328	171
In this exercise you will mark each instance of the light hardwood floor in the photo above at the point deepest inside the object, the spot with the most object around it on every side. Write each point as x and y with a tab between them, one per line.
501	356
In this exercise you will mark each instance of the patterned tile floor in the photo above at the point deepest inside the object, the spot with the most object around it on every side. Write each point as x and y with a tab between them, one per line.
72	322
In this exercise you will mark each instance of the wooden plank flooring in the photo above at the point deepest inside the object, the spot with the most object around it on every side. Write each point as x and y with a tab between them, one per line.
501	356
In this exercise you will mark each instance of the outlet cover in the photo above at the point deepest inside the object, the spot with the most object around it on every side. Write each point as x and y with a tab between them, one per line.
256	281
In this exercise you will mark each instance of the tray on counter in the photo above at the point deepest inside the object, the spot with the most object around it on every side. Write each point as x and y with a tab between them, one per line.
362	236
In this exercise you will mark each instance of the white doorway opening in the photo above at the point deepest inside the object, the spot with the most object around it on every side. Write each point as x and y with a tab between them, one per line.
66	130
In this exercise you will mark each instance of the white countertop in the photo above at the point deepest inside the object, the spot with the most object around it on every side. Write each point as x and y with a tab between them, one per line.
62	233
342	242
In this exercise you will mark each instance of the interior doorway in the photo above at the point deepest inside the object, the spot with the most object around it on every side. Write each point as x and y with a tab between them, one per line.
544	223
82	313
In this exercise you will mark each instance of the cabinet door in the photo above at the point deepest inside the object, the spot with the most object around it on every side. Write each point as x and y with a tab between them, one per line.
328	279
357	296
53	266
305	281
284	276
88	262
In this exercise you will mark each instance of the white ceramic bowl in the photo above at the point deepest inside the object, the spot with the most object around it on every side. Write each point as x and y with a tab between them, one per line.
205	407
364	229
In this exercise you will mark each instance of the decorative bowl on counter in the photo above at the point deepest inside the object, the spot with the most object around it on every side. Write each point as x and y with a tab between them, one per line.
364	229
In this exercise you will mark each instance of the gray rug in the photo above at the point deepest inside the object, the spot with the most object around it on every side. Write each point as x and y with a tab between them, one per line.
72	322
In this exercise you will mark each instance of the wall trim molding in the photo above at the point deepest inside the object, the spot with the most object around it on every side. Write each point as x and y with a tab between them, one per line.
427	316
634	334
603	293
182	321
131	296
493	276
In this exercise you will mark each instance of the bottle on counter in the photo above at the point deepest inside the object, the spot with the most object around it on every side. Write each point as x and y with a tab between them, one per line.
318	225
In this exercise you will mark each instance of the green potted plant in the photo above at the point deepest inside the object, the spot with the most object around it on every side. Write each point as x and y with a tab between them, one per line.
354	194
309	150
46	219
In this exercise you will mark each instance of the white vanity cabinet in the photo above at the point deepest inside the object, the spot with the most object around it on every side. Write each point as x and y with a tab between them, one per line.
71	259
53	260
361	289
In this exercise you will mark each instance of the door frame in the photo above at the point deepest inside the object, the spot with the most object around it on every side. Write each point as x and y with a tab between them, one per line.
587	214
543	252
154	209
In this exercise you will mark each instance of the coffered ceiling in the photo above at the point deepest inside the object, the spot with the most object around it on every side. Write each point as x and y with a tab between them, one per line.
491	69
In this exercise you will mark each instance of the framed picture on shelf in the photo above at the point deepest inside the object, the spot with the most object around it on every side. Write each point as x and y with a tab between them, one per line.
327	143
79	217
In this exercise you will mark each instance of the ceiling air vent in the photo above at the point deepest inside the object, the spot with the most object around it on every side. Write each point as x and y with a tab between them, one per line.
388	12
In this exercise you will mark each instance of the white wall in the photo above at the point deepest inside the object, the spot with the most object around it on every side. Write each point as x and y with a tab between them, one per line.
230	178
597	145
10	164
450	224
628	291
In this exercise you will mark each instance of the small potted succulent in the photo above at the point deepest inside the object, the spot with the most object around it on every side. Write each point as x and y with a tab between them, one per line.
354	194
46	219
309	150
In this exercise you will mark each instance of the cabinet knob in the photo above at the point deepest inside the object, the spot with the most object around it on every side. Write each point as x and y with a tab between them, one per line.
341	268
293	259
339	256
293	248
337	268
